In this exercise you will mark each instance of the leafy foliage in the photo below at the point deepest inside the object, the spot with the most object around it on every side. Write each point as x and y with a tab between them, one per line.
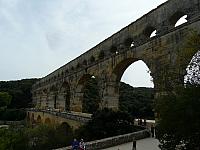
41	138
91	96
12	115
19	90
5	99
137	101
13	139
106	123
179	118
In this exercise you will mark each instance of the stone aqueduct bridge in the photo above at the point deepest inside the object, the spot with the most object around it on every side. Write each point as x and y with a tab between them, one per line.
107	61
74	120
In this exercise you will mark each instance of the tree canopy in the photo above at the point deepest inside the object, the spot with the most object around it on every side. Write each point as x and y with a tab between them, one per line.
139	102
179	118
5	99
107	123
20	91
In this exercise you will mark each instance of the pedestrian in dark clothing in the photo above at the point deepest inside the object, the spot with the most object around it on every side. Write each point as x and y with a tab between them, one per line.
75	145
145	122
152	131
134	144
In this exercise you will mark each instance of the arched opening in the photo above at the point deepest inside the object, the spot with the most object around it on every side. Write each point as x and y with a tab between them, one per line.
92	59
89	93
181	21
153	34
64	97
150	32
32	118
85	63
138	75
65	128
64	131
53	97
178	19
28	117
47	121
114	50
78	66
44	98
39	120
129	42
136	88
101	54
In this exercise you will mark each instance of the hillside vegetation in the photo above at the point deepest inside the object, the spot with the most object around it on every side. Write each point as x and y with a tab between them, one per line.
20	91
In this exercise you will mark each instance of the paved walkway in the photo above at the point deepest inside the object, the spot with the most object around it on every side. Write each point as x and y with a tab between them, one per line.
144	144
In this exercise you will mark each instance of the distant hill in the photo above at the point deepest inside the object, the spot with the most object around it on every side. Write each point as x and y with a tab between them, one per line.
137	101
20	91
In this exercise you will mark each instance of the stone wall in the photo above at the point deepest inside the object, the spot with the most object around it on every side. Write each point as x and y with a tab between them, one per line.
113	141
73	119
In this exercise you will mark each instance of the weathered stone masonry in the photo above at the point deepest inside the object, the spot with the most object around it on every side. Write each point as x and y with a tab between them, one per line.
107	61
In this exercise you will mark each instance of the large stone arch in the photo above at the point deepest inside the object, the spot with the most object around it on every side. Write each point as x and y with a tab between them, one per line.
63	103
28	117
39	119
53	96
79	91
44	98
111	91
32	118
65	127
47	121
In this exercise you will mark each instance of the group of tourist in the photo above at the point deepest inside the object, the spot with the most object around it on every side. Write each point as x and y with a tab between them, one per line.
76	145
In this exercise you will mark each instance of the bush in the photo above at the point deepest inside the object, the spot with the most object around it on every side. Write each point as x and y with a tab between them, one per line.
13	115
179	118
41	138
106	123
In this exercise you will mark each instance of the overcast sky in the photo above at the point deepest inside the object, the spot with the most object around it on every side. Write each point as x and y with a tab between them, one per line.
38	36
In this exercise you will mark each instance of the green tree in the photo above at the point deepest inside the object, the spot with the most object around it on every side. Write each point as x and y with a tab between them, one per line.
5	99
20	91
139	102
106	123
179	118
42	137
91	97
13	139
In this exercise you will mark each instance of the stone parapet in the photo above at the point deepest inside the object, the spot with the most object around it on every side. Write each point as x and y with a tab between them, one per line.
113	141
66	115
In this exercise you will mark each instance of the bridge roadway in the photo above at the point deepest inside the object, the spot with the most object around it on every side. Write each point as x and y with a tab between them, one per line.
143	144
81	117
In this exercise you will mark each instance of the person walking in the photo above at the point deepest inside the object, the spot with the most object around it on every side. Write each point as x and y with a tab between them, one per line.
82	145
134	144
75	145
152	131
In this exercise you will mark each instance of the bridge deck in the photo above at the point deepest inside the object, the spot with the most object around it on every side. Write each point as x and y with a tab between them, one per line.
81	117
